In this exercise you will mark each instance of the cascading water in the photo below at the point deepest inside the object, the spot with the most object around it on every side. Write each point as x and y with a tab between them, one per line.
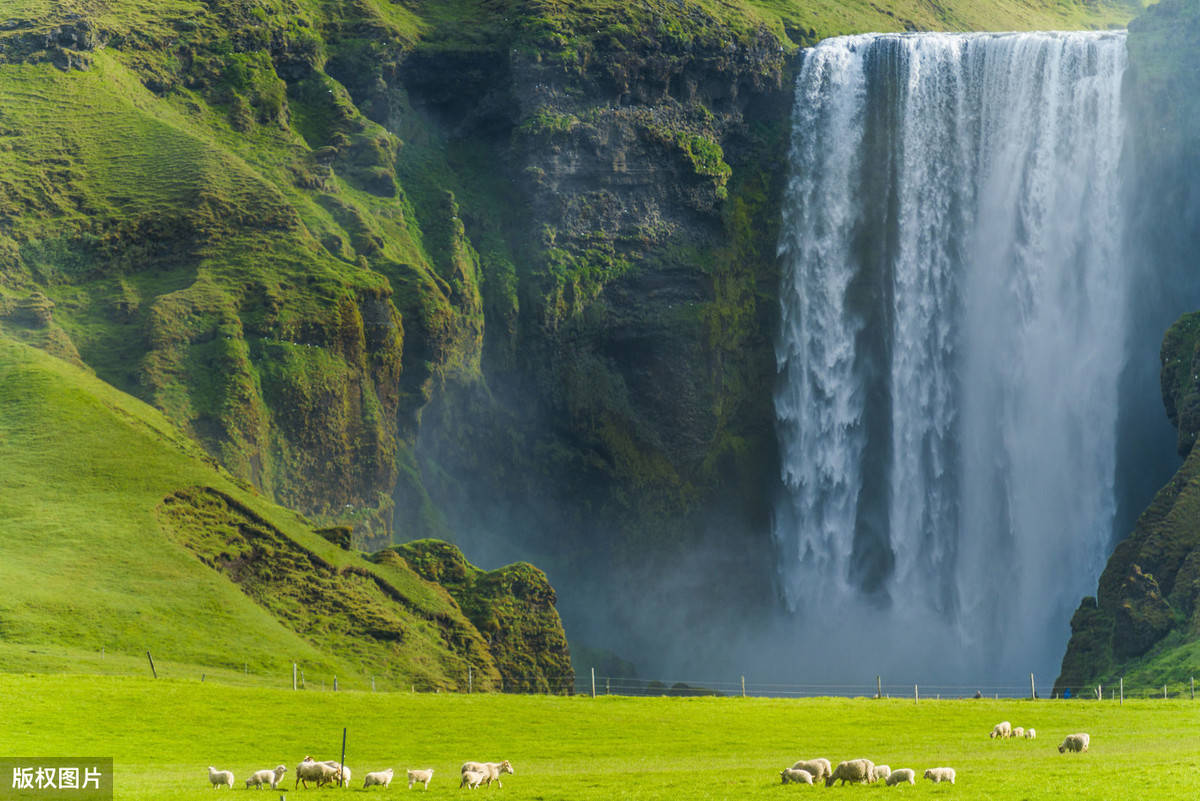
952	335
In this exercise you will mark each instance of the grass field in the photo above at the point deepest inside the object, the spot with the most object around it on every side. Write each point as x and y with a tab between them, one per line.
164	734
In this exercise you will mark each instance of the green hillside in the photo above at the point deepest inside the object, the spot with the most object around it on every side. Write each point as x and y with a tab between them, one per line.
111	525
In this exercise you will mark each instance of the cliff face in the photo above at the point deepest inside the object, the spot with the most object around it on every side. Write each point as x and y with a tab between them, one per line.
502	273
1145	610
625	392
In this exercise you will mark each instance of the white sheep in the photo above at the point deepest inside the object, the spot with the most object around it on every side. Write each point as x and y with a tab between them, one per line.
312	771
936	775
1031	734
1018	731
491	770
797	775
1075	742
880	773
472	778
271	777
424	776
819	767
1003	729
855	770
339	767
220	777
902	775
381	777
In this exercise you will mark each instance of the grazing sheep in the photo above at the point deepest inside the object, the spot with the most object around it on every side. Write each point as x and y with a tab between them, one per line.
819	767
491	770
415	776
902	775
880	773
271	777
472	778
797	775
1018	731
1031	734
339	767
225	777
312	771
381	777
1075	742
936	775
855	770
1002	729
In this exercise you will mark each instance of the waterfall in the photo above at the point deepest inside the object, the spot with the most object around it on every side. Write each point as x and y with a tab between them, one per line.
953	329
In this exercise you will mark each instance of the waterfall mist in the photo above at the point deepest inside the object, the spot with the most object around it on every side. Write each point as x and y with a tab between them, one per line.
954	328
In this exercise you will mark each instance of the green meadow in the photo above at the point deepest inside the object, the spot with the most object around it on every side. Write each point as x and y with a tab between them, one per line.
164	734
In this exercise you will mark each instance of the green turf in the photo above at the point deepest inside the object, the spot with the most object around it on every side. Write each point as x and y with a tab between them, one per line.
164	734
88	562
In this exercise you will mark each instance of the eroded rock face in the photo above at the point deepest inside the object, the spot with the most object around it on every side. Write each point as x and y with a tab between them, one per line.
512	607
1142	617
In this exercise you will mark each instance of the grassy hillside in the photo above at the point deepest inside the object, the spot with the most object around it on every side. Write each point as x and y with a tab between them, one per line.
118	534
164	735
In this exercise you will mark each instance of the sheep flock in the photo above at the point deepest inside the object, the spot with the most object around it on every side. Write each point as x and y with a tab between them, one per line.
330	772
473	775
865	771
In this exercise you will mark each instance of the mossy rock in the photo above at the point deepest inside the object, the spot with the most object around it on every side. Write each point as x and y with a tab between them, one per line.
513	607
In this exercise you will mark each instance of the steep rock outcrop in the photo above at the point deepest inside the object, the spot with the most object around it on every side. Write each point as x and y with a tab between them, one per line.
512	607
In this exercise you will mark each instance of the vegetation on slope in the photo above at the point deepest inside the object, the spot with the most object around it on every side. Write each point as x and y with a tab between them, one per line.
118	533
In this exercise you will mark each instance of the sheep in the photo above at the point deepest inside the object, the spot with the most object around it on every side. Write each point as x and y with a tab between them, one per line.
819	767
880	773
797	775
271	777
381	777
1018	731
415	776
1003	729
858	771
936	775
220	777
491	770
339	768
1075	742
1031	734
902	775
311	771
472	778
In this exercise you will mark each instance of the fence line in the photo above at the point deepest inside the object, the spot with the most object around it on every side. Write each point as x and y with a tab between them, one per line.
590	682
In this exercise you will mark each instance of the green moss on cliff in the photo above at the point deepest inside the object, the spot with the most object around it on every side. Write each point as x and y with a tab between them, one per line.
513	608
1181	379
1147	606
